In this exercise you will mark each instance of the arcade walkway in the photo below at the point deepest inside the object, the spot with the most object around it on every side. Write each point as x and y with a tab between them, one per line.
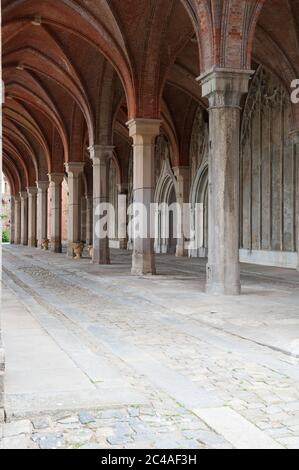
97	358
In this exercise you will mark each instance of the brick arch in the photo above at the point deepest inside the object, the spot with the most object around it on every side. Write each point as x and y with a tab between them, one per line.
9	163
10	177
225	31
98	30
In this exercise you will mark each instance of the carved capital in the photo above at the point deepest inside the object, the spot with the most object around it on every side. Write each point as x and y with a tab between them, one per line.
56	178
144	131
42	185
100	153
32	191
74	168
23	195
225	87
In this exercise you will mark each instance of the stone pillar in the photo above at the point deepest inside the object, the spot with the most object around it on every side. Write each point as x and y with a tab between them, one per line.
32	203
144	133
74	170
122	221
100	156
24	217
55	180
17	219
224	89
12	219
295	138
89	218
83	218
182	175
42	212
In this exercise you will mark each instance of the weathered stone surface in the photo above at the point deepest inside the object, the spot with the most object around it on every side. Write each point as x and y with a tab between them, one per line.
15	442
49	440
41	423
167	329
17	427
86	418
79	437
119	439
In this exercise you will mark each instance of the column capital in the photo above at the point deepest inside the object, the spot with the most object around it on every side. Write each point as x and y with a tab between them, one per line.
23	194
225	87
294	134
42	185
56	178
100	152
76	168
144	127
17	197
32	190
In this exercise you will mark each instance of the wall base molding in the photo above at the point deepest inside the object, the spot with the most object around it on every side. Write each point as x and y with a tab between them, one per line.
270	258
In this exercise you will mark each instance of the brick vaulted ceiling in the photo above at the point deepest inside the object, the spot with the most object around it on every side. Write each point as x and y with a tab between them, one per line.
76	69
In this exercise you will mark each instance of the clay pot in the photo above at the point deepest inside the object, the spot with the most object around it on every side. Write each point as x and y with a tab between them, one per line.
45	244
78	250
90	251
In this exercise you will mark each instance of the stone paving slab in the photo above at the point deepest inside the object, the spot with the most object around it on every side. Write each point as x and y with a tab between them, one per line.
238	431
162	352
56	382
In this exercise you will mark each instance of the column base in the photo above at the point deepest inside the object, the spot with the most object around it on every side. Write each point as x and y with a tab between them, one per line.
181	251
56	247
101	262
32	243
225	286
123	244
101	252
101	258
143	264
70	251
220	289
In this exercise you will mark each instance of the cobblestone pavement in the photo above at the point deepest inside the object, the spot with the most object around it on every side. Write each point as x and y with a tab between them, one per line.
153	361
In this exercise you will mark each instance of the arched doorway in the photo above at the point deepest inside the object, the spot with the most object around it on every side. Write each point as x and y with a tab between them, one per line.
165	198
200	213
5	210
114	184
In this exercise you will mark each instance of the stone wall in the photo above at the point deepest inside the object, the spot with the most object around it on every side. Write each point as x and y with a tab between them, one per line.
268	168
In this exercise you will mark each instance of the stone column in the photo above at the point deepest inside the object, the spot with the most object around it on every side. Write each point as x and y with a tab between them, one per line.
12	219
17	219
182	175
74	170
295	139
122	221
100	156
144	133
89	218
24	217
83	218
55	180
42	212
224	89
32	203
